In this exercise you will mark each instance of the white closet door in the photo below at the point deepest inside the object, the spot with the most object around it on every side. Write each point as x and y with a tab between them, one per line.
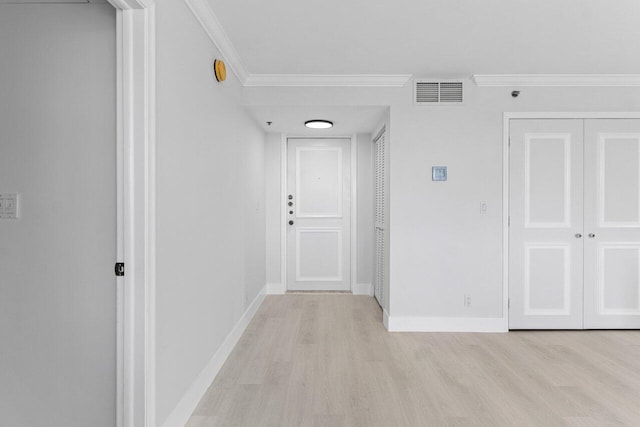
612	224
380	228
546	215
319	215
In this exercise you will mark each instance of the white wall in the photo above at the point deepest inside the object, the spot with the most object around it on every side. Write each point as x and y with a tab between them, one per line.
57	149
210	205
440	245
365	193
273	204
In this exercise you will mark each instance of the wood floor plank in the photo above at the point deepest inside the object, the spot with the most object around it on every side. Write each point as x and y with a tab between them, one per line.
326	360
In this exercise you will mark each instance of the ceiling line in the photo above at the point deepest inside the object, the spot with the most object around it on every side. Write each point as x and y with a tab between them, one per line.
212	26
328	80
214	29
565	80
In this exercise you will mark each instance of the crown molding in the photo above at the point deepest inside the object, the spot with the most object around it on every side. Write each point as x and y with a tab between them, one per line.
209	21
129	4
577	80
328	80
212	26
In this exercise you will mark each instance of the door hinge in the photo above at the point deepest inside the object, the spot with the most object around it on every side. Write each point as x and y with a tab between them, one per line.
509	221
508	302
119	268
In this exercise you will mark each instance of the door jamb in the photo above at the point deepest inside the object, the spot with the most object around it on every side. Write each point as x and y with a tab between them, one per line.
353	203
135	141
506	118
375	138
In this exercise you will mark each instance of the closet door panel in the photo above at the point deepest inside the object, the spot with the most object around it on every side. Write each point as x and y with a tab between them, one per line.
612	224
545	236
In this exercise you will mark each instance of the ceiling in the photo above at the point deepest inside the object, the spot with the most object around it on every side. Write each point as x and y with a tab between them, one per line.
434	37
346	120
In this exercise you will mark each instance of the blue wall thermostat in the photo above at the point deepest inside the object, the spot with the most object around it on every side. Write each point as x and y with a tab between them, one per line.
439	173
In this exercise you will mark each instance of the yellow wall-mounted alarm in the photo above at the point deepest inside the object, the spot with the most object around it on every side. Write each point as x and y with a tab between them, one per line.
220	69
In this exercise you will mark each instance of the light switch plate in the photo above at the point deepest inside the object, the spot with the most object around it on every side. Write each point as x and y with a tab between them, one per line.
9	205
439	173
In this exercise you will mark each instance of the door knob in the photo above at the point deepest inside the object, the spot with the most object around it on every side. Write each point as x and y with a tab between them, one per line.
591	235
578	235
290	222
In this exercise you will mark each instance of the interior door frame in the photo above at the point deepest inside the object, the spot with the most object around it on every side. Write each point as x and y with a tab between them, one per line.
135	142
506	120
376	136
353	246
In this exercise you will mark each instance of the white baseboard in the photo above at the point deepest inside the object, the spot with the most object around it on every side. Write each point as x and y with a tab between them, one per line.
189	401
276	288
385	318
446	324
362	289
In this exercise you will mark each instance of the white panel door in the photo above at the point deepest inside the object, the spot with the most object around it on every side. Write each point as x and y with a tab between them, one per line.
318	215
612	224
546	224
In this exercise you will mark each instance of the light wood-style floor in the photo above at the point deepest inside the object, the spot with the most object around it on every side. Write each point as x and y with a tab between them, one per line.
326	360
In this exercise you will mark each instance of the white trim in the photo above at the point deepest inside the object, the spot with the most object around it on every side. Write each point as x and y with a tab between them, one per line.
571	115
283	212
120	241
385	319
353	176
150	203
573	80
182	412
214	29
327	80
445	324
379	134
505	217
131	4
276	288
135	118
212	26
506	118
362	289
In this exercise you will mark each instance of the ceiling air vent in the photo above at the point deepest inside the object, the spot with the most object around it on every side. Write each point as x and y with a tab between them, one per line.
429	92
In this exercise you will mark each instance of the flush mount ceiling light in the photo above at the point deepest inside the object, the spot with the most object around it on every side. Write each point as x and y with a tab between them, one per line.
318	124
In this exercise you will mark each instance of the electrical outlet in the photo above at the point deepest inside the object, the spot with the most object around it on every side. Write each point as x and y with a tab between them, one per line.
467	300
9	203
483	207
